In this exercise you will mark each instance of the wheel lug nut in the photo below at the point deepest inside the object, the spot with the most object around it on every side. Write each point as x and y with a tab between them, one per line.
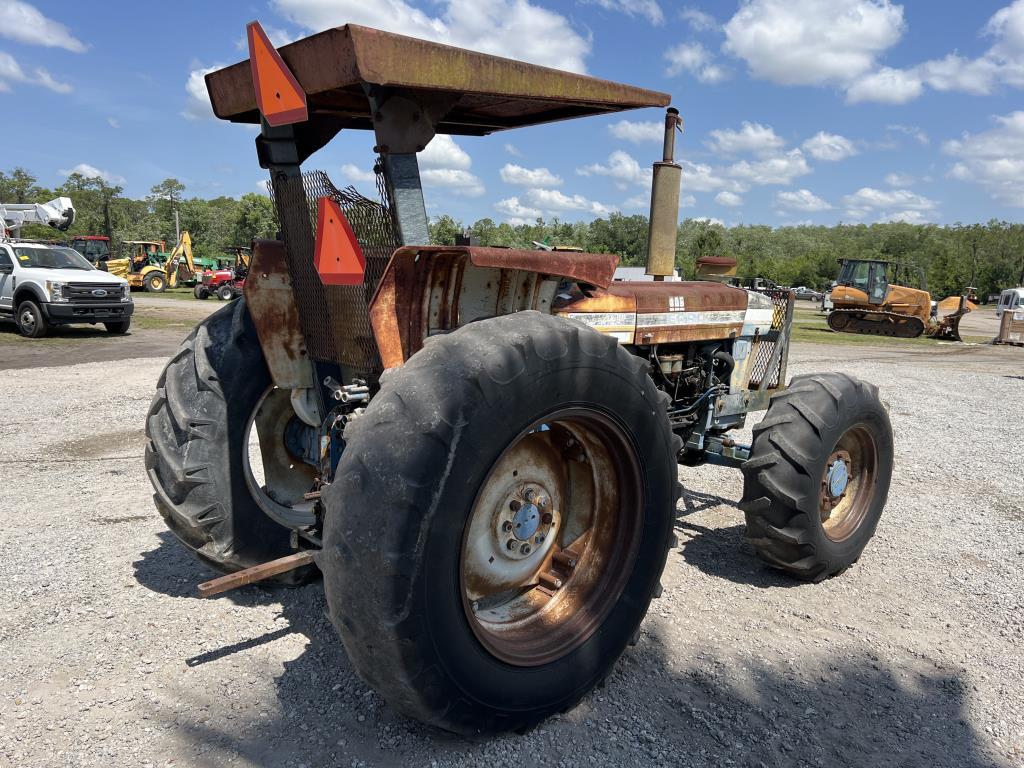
511	544
526	549
546	518
506	526
530	493
538	540
514	505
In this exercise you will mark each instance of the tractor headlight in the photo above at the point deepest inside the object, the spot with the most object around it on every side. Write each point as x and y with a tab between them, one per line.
56	290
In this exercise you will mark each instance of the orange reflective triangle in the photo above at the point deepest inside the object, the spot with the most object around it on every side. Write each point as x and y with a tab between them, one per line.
337	255
278	94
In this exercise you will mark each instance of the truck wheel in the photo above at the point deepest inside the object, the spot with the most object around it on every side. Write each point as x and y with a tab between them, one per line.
119	327
200	292
154	283
31	322
499	522
209	398
818	475
225	293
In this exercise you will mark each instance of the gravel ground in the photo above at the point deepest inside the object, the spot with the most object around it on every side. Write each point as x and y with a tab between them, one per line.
911	658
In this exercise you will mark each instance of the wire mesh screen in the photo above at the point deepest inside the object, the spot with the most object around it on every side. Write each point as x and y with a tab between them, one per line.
335	319
765	345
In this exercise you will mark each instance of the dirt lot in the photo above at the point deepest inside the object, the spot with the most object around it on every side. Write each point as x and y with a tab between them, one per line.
912	658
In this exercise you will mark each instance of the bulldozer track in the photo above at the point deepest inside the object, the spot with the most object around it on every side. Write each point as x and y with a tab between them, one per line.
875	323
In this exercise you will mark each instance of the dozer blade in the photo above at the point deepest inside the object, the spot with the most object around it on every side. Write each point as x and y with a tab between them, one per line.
948	329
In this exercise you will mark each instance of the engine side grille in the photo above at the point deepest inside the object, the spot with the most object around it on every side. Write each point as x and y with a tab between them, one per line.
335	319
764	347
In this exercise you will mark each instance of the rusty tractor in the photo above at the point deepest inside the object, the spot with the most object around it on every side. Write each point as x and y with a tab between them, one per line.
479	448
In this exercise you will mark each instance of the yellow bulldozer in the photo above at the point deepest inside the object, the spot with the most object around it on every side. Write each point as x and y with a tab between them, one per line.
889	298
141	266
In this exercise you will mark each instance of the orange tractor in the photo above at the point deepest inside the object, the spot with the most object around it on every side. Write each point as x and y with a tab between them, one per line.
479	448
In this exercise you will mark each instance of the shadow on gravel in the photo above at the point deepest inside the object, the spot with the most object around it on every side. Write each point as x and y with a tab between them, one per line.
854	711
722	552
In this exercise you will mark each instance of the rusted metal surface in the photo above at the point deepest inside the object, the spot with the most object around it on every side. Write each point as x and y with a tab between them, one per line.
271	303
664	219
254	574
529	608
426	291
842	513
488	93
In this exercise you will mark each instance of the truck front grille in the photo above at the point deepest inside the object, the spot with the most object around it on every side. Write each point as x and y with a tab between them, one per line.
86	293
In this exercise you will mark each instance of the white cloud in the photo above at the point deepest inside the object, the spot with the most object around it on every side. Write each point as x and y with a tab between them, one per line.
638	132
622	167
829	146
899	179
513	150
553	201
781	169
353	174
11	72
649	9
1003	62
801	200
709	220
698	20
515	212
24	23
687	201
751	137
910	130
529	177
695	59
886	86
639	202
113	122
894	204
197	103
443	152
910	217
808	42
455	180
728	199
92	172
994	158
699	177
515	29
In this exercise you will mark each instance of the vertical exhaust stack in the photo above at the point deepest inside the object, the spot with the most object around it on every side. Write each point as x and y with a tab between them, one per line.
661	237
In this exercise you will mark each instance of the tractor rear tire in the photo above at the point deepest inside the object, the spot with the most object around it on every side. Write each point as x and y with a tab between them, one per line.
818	475
196	429
154	283
401	513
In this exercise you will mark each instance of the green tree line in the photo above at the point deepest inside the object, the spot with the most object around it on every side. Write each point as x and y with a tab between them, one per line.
101	209
988	257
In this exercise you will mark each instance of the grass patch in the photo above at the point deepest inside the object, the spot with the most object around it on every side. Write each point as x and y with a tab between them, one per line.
170	293
810	327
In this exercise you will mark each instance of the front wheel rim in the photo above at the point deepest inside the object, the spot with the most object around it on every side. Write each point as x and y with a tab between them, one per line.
552	537
848	483
28	321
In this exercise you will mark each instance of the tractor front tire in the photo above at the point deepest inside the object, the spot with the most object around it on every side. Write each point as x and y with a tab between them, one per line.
818	475
201	292
197	446
447	605
154	283
225	293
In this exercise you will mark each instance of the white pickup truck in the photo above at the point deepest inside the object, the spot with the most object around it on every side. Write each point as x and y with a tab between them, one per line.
46	285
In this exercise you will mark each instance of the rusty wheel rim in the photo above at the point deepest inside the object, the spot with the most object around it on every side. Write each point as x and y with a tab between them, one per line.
848	483
552	537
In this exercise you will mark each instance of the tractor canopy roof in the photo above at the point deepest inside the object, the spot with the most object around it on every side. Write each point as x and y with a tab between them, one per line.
475	93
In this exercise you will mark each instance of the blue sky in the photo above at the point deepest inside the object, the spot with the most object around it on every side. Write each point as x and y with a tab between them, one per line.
796	111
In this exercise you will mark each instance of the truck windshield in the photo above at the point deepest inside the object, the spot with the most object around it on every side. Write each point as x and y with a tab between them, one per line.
51	258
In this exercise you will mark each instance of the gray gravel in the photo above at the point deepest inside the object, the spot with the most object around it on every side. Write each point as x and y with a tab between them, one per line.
911	658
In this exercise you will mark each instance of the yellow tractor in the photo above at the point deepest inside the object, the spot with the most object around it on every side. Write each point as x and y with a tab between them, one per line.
887	298
142	267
